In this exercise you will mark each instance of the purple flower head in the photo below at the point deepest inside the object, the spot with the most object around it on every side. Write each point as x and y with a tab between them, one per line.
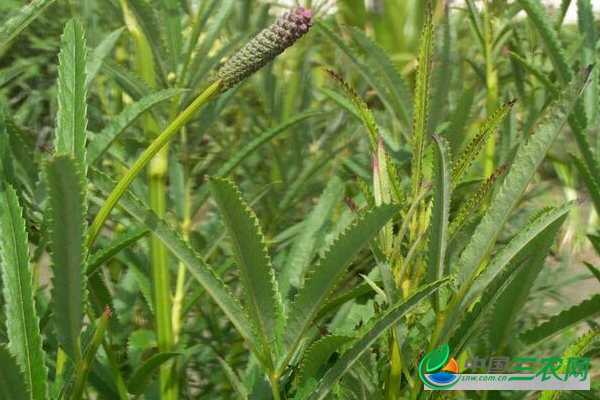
265	46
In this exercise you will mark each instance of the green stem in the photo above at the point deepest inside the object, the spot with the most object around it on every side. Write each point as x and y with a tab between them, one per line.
491	81
90	355
154	147
275	386
157	171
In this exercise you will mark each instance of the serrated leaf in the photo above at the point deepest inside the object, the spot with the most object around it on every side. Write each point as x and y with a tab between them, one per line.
494	281
12	383
7	171
254	262
234	380
110	250
576	349
587	309
11	27
587	28
528	158
318	354
533	232
71	120
197	267
472	204
324	277
349	358
140	379
514	296
117	126
438	238
360	106
25	339
474	148
421	102
67	233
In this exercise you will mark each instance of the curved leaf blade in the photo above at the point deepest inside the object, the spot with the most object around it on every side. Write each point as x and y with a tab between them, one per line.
324	277
587	309
526	162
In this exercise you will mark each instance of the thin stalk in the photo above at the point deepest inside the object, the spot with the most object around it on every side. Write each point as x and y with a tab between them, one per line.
154	147
491	82
180	286
157	171
275	386
90	355
392	390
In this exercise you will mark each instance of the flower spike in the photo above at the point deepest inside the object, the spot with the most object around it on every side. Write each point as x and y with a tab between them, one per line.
265	46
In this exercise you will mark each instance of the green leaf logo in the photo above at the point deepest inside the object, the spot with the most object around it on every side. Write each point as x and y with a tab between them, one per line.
437	358
434	361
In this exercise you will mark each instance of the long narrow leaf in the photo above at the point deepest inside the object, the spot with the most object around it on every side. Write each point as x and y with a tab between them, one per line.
254	263
526	162
25	339
438	239
587	309
473	149
421	103
71	121
67	233
326	275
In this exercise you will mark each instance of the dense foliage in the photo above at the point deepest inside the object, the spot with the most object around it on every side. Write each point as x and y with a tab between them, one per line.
228	199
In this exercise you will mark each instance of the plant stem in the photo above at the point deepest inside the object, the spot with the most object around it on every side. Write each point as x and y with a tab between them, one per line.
275	386
491	82
161	283
146	156
90	355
